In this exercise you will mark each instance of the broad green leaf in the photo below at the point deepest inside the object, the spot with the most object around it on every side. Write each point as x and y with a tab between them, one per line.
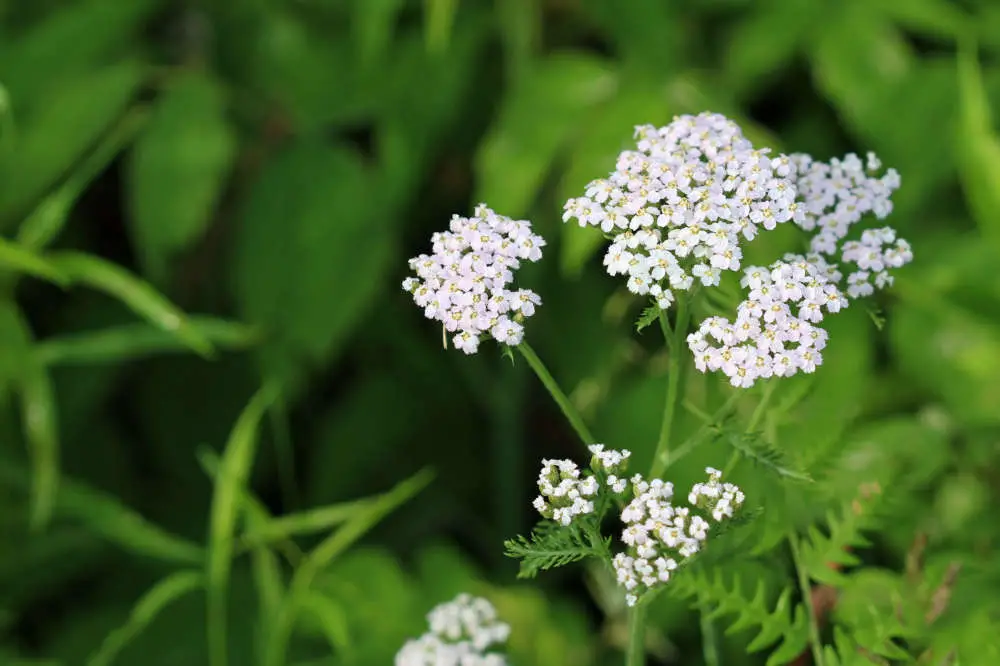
439	17
939	18
146	610
329	549
230	482
43	225
178	169
978	147
139	340
312	254
137	294
855	55
68	43
19	259
52	139
105	516
538	119
766	42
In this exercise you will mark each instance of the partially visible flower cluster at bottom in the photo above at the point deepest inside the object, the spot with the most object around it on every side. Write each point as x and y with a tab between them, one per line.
461	633
659	535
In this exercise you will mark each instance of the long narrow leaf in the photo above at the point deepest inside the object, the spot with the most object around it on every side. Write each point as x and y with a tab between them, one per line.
328	550
131	341
161	595
230	481
105	516
38	412
134	292
19	259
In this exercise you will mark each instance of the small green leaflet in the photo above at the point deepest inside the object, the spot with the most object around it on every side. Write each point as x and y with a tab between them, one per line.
648	316
765	454
878	317
551	545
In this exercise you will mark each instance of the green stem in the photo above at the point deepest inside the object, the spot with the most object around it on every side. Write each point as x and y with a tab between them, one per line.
758	414
636	655
814	640
675	342
699	436
568	410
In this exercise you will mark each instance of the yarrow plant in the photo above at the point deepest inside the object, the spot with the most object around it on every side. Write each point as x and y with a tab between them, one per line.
462	632
678	210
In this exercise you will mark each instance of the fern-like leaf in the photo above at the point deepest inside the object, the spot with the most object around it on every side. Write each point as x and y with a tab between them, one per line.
824	555
648	316
786	623
766	455
551	545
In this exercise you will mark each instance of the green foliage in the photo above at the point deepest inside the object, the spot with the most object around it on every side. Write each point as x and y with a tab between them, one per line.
552	545
772	619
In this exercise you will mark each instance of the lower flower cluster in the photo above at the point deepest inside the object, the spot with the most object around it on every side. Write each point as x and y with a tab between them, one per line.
658	535
461	633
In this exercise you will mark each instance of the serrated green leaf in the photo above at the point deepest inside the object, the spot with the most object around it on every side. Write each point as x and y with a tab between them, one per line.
178	169
763	453
649	315
550	545
309	279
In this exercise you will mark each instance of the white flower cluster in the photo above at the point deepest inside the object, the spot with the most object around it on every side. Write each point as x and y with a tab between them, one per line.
566	494
465	282
835	196
461	632
678	204
775	332
659	535
719	499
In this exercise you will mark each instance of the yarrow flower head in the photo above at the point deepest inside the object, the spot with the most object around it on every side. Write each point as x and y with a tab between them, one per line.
834	197
565	493
776	331
465	283
678	205
659	535
462	633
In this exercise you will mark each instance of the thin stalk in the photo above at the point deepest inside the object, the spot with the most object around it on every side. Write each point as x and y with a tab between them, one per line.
699	435
675	341
568	410
758	414
814	640
709	637
636	655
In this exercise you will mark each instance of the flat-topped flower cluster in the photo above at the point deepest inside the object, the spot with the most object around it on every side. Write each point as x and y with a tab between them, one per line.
462	632
658	535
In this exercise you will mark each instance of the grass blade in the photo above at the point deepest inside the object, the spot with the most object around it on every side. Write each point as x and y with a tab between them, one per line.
327	550
230	482
131	341
134	292
331	618
104	516
309	521
161	595
38	413
19	259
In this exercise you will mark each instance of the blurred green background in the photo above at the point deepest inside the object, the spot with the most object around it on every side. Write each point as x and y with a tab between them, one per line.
269	166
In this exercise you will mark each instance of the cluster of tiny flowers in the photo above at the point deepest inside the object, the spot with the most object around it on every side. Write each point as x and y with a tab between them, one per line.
461	632
836	195
566	494
659	536
465	282
678	205
775	332
719	499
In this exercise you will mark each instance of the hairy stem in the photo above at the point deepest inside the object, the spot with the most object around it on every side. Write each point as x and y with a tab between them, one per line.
557	394
675	342
814	640
636	655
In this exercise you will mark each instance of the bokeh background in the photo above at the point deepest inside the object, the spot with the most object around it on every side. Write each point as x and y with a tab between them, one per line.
269	167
